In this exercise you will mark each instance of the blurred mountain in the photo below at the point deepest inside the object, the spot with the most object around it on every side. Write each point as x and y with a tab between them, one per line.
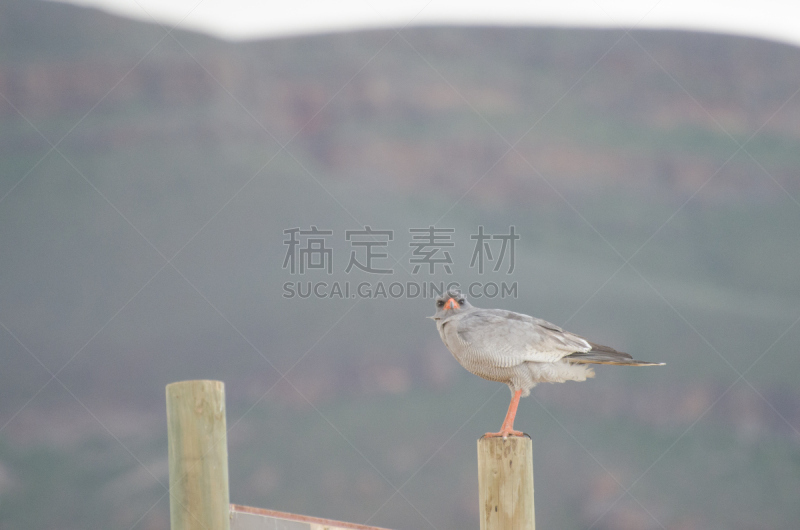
147	176
645	108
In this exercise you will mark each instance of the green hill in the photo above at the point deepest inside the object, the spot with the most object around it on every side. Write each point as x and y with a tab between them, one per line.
146	181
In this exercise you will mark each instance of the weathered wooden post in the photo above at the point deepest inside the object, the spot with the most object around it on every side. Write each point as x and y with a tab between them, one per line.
505	483
198	456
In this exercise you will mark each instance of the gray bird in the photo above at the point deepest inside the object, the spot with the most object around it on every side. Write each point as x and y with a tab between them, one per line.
518	350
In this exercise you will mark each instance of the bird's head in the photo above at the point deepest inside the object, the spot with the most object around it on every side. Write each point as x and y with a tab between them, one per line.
450	303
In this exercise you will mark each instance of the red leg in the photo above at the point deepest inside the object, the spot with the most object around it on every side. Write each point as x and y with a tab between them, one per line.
508	424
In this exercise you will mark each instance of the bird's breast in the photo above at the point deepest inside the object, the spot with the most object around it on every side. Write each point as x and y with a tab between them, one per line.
475	359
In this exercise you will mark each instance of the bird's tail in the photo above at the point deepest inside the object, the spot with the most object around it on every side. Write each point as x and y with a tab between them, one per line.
600	354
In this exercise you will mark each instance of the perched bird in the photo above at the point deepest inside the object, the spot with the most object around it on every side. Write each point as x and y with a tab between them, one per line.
518	350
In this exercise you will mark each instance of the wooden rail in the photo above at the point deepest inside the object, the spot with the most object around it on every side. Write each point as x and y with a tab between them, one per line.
249	518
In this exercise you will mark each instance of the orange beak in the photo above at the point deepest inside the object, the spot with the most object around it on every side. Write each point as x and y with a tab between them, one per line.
451	304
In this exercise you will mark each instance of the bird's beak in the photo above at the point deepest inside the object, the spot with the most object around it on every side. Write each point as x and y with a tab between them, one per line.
451	304
433	317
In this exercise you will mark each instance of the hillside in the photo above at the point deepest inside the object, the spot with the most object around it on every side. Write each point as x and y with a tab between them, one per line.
147	247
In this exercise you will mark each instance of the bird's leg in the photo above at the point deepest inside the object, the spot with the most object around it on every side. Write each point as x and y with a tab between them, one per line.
508	424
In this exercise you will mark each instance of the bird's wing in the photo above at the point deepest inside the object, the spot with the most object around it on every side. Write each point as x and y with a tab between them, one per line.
513	338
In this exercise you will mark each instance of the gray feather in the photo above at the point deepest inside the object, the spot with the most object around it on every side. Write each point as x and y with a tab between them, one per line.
604	355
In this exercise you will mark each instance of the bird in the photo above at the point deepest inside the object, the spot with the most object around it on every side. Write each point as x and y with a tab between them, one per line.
518	350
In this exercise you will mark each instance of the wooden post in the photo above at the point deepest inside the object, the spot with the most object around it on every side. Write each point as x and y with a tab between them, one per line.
198	456
505	483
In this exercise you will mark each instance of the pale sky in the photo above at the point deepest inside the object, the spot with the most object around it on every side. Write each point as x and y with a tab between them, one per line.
249	19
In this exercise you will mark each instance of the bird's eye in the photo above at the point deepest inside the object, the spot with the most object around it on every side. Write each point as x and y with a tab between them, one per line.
461	301
440	303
